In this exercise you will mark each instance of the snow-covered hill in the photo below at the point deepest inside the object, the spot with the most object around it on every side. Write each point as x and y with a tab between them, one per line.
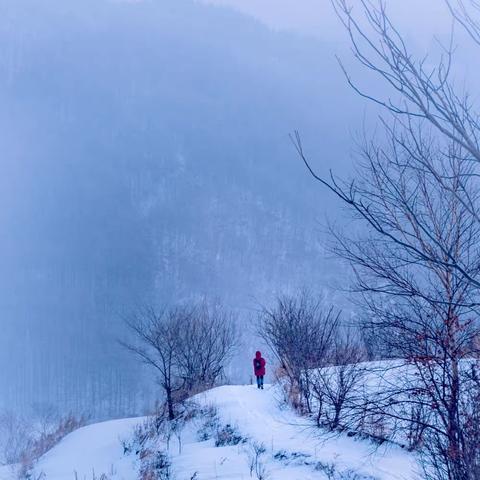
293	448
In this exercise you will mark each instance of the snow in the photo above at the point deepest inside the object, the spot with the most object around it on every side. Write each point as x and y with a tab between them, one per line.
258	415
90	452
94	450
7	472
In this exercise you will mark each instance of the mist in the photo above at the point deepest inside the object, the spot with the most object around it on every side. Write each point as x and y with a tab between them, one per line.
146	159
317	18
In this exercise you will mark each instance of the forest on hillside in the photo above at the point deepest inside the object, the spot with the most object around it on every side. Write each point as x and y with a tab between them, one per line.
144	162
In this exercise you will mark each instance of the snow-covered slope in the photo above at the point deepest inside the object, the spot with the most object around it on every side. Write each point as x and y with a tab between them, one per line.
294	449
259	416
90	452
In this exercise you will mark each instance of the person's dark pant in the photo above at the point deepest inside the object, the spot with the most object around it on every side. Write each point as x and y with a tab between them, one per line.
260	381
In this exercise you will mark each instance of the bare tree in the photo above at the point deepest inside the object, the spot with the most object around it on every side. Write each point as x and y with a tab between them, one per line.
188	347
417	268
300	332
156	344
420	307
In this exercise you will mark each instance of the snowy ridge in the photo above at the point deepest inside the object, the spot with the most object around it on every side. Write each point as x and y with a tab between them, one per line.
294	450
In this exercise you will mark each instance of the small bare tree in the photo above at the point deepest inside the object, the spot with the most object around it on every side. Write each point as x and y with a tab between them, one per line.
336	387
188	347
300	332
156	344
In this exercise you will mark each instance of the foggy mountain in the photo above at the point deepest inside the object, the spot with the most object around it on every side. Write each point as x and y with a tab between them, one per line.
145	159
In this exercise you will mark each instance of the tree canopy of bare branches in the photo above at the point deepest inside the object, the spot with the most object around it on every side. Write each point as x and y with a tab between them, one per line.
206	338
428	114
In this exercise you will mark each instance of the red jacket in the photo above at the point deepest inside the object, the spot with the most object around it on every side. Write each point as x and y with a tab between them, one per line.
259	372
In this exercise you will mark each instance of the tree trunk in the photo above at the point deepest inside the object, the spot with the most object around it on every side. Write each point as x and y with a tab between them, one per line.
171	413
453	432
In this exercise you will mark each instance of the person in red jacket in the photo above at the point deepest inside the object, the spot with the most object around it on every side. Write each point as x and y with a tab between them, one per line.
259	369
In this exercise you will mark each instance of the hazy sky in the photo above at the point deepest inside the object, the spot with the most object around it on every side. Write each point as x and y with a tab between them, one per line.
422	17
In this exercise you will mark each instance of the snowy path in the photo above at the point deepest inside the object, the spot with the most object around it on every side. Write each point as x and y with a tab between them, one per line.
293	448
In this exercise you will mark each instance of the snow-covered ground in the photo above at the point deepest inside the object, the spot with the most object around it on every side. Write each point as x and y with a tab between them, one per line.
294	449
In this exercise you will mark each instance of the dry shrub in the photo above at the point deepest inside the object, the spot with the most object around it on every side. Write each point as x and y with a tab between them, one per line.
38	446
